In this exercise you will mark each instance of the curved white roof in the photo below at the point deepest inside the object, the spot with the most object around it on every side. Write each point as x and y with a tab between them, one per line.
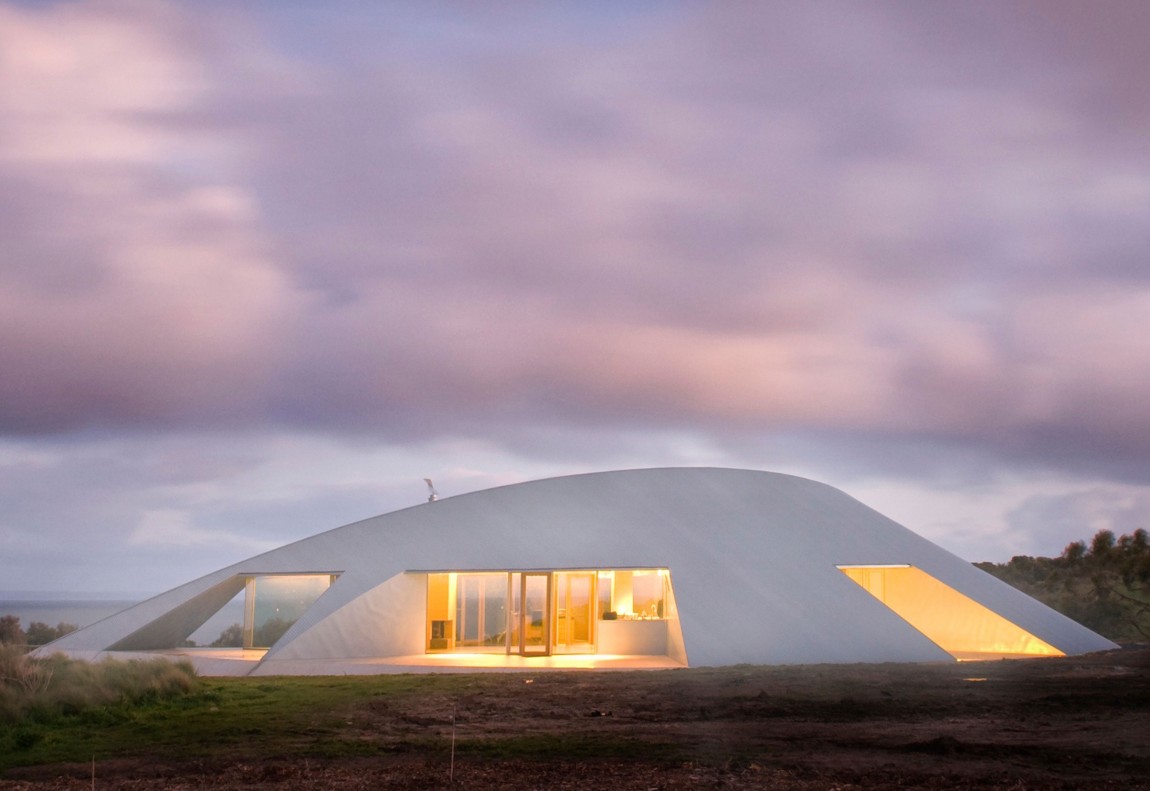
754	561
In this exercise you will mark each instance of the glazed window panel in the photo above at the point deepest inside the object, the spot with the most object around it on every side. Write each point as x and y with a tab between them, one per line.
575	609
648	594
275	603
481	611
606	593
633	594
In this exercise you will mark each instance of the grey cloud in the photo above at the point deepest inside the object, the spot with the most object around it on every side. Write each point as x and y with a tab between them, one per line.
1078	515
822	217
896	245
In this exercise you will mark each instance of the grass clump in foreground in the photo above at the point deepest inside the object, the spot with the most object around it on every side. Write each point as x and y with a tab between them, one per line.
37	695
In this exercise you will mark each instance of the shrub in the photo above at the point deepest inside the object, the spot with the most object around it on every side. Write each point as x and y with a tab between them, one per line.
270	631
10	631
40	690
41	633
232	637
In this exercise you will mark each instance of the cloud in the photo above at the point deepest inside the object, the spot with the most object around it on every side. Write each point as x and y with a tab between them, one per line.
130	291
172	530
688	225
1077	513
709	239
877	242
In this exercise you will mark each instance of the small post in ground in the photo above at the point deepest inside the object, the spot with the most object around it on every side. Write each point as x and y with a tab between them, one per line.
451	772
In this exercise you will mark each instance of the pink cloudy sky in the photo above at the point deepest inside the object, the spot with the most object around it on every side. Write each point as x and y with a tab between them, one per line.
266	265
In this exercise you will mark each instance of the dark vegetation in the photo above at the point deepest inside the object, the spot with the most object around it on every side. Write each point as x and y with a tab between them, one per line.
232	637
38	634
1105	585
264	635
11	633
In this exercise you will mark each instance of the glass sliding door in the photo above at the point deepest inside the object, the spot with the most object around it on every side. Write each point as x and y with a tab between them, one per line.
481	612
574	611
535	613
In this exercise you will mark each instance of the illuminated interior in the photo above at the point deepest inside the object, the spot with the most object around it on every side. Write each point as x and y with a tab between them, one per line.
956	623
546	612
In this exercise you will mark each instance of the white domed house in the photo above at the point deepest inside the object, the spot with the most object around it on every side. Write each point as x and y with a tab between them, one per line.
637	568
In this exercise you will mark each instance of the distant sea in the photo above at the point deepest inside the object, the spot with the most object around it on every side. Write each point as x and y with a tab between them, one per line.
84	609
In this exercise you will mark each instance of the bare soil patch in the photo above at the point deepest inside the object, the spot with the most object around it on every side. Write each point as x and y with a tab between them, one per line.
1073	723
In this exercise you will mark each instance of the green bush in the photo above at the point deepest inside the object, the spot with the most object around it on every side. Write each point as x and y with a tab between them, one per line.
232	637
39	633
10	631
41	690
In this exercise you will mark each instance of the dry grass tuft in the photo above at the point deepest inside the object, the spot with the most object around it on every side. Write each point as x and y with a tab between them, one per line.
40	690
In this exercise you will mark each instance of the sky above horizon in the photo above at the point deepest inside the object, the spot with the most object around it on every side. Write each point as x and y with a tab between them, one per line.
264	266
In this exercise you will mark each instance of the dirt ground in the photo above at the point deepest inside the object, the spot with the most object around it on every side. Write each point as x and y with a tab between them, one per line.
1075	723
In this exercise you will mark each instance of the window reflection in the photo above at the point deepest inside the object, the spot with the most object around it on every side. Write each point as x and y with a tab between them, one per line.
274	603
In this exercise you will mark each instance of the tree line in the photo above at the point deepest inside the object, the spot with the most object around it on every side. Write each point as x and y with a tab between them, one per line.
1104	585
37	633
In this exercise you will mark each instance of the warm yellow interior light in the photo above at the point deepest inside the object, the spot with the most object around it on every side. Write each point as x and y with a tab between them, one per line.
959	625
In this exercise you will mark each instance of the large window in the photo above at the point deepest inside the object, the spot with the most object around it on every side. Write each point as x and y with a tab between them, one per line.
481	611
533	612
956	623
274	603
634	594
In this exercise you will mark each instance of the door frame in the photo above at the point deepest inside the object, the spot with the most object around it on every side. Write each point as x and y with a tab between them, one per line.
548	605
565	582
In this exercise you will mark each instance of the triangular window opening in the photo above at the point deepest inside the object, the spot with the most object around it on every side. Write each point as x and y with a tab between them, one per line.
956	623
263	611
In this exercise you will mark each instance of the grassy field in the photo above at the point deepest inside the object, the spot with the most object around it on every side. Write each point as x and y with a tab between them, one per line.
1035	724
238	719
229	718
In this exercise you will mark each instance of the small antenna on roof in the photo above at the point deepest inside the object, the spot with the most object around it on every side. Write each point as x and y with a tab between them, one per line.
432	495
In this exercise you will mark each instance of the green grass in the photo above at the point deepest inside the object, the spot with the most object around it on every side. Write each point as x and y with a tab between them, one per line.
249	718
215	716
